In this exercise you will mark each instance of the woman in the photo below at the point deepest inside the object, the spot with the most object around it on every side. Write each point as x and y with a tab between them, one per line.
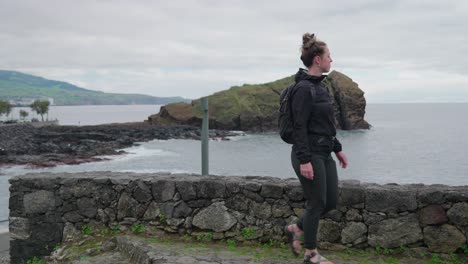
314	141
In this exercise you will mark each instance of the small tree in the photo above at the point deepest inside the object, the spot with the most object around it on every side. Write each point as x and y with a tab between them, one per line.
40	107
5	108
23	114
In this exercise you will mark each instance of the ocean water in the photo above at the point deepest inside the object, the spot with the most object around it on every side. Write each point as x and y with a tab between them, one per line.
408	143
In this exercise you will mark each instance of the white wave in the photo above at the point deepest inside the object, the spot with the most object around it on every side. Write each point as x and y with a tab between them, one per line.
141	151
171	171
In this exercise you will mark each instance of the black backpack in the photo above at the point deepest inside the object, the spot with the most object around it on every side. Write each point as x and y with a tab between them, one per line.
285	117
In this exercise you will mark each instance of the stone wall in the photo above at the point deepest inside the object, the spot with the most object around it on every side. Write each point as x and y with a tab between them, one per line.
46	209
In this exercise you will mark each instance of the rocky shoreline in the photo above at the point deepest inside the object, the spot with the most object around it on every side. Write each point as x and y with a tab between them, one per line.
23	144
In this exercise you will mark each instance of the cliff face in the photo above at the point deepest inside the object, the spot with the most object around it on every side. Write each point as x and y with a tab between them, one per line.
255	107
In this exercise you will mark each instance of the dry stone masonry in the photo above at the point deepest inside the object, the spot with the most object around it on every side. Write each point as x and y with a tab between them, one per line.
46	209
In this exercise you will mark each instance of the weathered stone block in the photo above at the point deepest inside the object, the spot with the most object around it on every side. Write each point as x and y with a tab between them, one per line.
294	192
443	239
142	193
351	195
152	212
353	231
260	210
83	189
127	207
87	207
215	217
458	214
73	217
181	210
47	232
390	200
432	215
186	189
39	202
334	215
395	232
271	191
210	189
19	228
431	196
281	209
329	231
353	215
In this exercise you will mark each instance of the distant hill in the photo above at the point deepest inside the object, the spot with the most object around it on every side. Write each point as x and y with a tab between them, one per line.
17	86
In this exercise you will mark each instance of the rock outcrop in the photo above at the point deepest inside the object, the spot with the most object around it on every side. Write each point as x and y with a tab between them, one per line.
255	107
52	145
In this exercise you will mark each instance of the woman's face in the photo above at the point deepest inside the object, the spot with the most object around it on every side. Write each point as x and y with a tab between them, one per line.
325	61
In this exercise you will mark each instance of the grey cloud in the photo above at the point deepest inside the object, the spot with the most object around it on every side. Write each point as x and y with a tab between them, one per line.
69	40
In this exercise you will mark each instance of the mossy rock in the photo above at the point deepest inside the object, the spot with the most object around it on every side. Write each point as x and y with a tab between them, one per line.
255	107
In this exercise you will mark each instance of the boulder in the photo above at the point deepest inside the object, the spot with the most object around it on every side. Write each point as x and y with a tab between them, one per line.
329	231
458	214
215	217
432	215
353	231
443	239
395	232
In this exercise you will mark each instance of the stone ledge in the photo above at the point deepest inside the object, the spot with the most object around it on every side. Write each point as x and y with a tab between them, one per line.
49	208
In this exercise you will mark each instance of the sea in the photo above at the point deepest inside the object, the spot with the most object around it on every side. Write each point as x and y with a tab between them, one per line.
408	143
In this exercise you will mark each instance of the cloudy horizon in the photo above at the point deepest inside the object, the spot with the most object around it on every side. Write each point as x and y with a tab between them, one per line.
399	51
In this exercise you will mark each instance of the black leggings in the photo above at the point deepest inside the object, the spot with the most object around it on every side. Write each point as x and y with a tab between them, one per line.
321	193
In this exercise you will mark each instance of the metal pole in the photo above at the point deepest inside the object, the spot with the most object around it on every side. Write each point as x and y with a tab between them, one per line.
204	134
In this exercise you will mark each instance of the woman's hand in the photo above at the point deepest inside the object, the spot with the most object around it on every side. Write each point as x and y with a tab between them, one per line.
307	171
342	158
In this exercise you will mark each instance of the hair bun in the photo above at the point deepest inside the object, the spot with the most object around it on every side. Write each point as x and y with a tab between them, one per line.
308	40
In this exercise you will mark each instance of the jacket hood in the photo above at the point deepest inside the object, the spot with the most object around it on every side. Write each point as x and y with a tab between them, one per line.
302	74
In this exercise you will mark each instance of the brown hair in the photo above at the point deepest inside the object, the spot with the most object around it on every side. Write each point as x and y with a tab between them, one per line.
311	47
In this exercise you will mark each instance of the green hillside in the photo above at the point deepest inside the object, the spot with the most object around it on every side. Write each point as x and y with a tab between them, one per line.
16	86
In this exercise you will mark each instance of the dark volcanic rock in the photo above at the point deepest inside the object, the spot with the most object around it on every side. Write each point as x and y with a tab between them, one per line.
53	145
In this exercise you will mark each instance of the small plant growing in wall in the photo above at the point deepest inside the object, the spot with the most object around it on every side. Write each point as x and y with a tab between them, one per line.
86	230
205	237
105	232
248	233
162	219
34	260
115	229
231	243
138	228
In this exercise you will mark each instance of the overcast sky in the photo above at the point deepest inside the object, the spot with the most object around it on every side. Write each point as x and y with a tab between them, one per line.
397	51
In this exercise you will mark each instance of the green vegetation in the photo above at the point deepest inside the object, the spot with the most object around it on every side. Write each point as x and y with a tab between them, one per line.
23	114
231	243
205	237
162	219
5	108
16	85
34	260
235	104
272	250
248	233
86	230
115	229
138	228
40	107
